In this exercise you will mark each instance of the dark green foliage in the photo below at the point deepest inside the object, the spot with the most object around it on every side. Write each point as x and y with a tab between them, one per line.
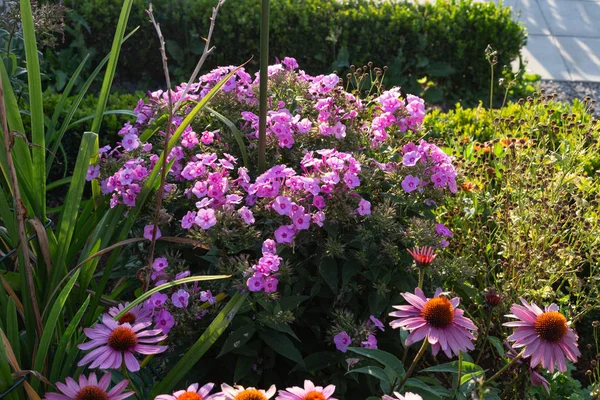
443	42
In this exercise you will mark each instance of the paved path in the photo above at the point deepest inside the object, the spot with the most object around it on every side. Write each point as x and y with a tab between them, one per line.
564	37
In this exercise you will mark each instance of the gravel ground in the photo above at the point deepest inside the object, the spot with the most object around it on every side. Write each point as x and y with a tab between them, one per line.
567	91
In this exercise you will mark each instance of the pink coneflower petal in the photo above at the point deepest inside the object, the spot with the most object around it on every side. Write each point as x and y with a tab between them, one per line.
89	388
545	335
308	392
437	319
112	343
193	392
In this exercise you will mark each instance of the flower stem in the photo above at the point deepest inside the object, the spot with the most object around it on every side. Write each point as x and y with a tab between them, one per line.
421	277
460	367
414	363
126	374
503	369
485	336
263	84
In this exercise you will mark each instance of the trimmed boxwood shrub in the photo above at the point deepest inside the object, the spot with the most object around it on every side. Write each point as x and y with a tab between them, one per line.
443	42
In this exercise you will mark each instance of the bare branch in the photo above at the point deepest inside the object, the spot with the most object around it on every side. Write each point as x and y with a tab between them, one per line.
163	171
205	54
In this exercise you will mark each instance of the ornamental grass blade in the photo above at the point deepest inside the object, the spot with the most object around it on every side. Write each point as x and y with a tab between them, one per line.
20	148
202	345
57	136
6	380
53	318
167	285
61	351
112	65
36	104
68	218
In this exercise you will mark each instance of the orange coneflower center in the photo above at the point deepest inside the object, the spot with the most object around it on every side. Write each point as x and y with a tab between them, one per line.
551	326
127	318
314	396
122	339
438	312
189	396
91	393
250	394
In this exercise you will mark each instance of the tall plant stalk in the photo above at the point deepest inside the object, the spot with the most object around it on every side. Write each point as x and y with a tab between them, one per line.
163	170
264	76
21	215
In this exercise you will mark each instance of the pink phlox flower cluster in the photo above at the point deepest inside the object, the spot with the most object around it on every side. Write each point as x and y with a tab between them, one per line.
239	84
281	125
397	114
434	168
158	303
125	184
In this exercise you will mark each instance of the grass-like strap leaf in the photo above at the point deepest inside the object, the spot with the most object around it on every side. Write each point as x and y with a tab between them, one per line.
112	65
109	112
53	318
168	285
208	338
235	132
36	104
12	328
61	351
20	149
63	100
68	217
56	137
387	359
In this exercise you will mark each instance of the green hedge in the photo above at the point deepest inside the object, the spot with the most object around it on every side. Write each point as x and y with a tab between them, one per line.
444	41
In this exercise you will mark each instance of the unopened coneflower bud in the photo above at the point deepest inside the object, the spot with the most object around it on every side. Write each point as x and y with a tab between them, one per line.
423	256
493	298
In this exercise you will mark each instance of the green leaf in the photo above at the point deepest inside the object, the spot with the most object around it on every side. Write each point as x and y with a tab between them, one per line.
237	339
243	366
387	359
61	351
452	367
471	376
328	269
235	132
319	361
377	372
36	104
282	345
208	338
426	391
349	269
497	345
50	325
